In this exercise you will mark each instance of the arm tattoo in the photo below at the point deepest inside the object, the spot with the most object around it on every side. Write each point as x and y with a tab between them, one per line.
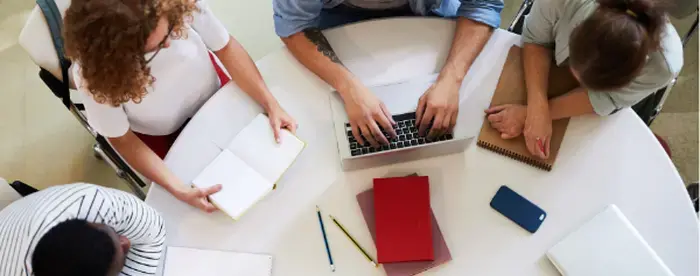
317	38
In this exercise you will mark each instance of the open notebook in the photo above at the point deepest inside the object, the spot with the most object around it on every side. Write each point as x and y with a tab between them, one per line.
249	167
183	261
511	90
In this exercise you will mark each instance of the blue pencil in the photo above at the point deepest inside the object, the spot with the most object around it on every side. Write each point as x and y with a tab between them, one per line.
325	239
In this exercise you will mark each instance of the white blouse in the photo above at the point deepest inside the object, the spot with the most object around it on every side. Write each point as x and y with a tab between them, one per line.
184	79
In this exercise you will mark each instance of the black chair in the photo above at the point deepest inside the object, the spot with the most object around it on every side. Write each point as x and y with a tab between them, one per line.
649	107
8	194
41	38
694	193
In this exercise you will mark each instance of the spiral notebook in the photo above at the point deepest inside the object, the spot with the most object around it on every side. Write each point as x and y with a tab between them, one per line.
511	90
183	261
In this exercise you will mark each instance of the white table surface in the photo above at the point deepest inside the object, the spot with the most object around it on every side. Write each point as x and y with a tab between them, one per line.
613	160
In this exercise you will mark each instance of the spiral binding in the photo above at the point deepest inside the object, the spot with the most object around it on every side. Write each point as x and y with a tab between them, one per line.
512	155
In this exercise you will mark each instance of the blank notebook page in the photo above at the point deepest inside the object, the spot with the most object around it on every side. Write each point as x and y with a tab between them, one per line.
256	145
242	186
182	261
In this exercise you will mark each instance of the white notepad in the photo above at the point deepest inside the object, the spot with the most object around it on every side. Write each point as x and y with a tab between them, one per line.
182	261
249	167
607	245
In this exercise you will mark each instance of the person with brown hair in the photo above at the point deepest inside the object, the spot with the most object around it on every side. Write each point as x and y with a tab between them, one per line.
144	67
620	51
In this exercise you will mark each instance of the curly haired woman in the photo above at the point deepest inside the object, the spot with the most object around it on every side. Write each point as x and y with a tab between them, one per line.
144	67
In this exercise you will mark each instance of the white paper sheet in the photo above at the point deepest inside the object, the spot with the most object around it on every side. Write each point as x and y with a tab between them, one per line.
182	261
242	186
256	145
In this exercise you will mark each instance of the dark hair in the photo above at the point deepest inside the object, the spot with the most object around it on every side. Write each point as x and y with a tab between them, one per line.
609	49
74	248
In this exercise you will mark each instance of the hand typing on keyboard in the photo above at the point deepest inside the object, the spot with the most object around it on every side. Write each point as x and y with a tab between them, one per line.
368	117
406	136
437	108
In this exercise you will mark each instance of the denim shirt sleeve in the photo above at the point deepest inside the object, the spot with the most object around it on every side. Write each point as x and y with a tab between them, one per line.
484	11
293	16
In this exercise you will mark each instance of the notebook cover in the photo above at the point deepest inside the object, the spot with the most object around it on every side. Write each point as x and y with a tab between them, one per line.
606	245
441	252
402	219
179	262
511	90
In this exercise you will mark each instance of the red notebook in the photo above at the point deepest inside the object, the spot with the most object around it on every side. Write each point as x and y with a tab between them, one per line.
441	251
402	218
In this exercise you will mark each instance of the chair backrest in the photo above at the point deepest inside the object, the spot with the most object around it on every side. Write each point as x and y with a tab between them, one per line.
35	38
7	194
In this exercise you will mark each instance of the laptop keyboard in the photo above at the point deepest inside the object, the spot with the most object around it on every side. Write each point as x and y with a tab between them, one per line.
406	132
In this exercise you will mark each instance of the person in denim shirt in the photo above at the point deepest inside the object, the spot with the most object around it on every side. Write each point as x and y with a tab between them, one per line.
299	24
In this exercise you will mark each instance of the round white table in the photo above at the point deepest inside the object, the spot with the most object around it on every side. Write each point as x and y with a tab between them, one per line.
602	161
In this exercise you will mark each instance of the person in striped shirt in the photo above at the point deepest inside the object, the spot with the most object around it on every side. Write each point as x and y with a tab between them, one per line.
80	229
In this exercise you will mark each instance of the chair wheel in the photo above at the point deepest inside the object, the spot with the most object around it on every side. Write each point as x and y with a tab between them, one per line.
96	152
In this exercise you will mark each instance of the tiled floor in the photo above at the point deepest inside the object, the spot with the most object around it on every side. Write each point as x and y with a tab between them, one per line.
42	144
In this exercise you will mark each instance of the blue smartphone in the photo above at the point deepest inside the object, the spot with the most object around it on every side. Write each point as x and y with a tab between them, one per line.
518	209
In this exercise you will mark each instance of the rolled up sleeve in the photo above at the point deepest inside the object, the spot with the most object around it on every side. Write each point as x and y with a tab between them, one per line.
484	11
539	24
209	28
293	16
652	79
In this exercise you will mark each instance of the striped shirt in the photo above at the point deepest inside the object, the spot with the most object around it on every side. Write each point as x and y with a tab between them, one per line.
24	222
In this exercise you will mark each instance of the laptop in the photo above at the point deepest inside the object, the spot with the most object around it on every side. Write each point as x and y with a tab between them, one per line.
607	245
401	99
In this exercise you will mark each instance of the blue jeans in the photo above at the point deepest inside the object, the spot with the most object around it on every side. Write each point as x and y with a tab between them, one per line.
344	14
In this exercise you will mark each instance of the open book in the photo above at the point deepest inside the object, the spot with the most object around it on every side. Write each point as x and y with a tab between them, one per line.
249	167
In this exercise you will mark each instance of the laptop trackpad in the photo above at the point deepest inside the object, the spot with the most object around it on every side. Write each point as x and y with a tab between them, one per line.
403	97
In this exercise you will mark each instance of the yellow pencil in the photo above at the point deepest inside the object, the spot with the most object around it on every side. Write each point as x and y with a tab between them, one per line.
357	245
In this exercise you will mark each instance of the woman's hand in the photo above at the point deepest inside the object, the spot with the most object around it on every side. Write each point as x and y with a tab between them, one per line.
198	197
538	130
508	119
279	119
